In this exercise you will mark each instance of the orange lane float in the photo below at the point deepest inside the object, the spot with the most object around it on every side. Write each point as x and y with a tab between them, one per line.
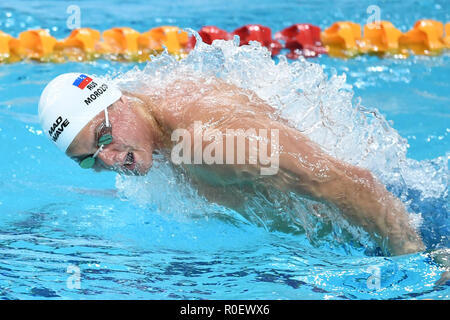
424	38
262	34
82	44
121	43
170	37
36	44
342	39
301	39
446	39
5	46
380	38
4	43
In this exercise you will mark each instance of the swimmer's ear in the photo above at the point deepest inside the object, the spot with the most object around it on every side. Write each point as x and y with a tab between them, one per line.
124	99
144	98
121	103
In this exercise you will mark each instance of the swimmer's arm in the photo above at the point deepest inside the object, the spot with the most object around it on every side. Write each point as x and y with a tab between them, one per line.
305	168
363	200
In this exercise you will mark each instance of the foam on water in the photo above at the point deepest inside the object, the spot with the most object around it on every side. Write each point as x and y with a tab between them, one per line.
322	107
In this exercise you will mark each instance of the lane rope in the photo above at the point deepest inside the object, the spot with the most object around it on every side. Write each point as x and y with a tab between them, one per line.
343	39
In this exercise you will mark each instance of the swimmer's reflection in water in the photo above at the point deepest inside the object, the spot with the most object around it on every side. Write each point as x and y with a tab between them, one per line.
115	130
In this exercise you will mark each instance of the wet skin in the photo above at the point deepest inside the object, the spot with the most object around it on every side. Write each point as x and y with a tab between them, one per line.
143	122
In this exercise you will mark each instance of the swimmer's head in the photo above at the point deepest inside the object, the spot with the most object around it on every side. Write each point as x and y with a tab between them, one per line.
69	102
72	114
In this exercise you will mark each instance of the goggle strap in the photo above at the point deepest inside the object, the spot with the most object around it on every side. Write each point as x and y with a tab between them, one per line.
98	151
106	118
89	162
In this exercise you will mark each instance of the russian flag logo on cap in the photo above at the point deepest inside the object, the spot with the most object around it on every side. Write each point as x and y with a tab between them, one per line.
82	81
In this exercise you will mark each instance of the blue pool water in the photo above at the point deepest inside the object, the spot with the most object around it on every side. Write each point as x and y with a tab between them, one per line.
151	238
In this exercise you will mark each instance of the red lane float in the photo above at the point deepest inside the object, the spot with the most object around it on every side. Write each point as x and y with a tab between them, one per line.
301	39
211	33
208	35
262	34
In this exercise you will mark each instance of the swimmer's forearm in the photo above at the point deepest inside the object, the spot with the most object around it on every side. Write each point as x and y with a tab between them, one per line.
364	202
368	204
360	197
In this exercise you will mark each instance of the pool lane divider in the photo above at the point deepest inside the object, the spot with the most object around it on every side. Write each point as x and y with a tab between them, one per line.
343	39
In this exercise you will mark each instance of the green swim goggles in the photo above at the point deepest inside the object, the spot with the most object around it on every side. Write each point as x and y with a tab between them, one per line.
103	136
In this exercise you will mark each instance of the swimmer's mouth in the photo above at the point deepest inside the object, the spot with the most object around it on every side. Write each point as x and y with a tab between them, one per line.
129	163
130	166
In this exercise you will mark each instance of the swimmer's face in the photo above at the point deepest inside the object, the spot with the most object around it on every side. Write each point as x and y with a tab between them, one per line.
132	146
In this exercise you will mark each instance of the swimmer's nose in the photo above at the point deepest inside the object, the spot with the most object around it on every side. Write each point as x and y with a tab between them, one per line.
110	157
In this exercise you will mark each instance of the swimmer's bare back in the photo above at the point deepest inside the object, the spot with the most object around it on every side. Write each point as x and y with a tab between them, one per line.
303	166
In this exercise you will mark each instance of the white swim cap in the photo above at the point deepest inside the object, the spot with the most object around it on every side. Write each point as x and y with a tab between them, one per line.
69	102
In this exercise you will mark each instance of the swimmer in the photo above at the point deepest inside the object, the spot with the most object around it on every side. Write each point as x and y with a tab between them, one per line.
101	127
